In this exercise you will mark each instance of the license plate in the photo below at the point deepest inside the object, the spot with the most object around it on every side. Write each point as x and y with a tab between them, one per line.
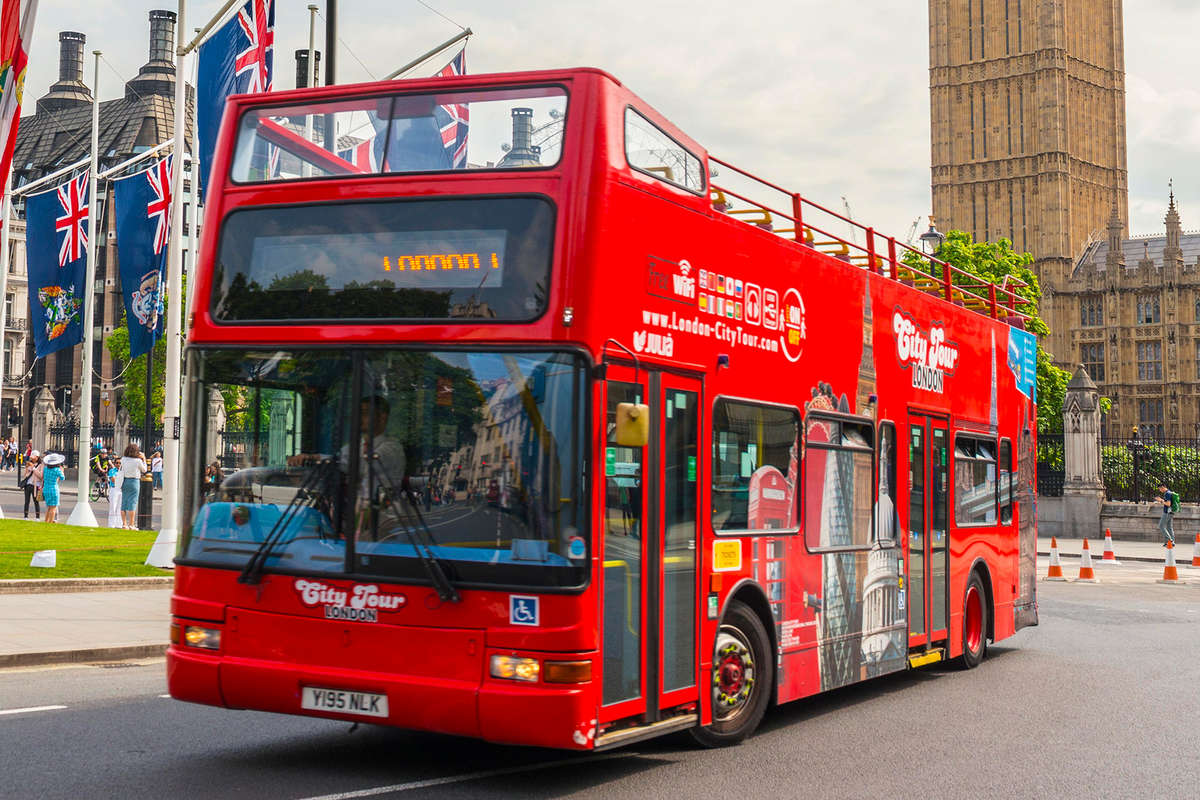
344	702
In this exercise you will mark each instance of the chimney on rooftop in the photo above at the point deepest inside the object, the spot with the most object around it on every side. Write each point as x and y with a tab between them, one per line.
157	76
522	152
303	72
70	90
70	56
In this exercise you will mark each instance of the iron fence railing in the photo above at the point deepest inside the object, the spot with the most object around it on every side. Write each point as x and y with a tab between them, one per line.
1051	464
1134	468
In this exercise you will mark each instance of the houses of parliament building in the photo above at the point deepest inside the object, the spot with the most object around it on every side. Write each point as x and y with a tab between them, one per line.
1027	105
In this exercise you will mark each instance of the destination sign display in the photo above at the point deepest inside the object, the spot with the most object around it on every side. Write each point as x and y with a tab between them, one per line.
447	259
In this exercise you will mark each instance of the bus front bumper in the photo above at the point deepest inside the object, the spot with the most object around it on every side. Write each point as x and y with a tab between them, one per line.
502	711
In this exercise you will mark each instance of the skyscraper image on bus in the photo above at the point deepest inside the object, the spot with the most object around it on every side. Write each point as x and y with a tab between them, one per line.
512	413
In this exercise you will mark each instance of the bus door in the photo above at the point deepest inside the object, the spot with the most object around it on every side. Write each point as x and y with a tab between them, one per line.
928	531
650	533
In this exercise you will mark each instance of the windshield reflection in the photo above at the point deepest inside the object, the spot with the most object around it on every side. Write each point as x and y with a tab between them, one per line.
472	460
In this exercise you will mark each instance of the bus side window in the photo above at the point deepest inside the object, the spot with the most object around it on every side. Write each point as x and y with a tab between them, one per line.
1004	487
886	516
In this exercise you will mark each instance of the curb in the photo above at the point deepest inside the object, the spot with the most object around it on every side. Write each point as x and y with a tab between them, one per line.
122	653
1142	559
47	585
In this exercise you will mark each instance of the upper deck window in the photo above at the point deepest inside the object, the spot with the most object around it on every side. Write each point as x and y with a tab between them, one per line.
650	150
465	130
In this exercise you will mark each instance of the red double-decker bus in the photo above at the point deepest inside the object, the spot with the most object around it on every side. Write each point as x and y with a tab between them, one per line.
512	413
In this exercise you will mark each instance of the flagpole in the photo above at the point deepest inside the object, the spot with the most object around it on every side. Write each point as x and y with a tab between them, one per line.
5	244
82	513
453	40
162	554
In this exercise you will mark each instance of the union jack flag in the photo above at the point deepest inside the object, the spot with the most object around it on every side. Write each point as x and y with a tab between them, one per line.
159	178
255	20
72	199
454	118
361	155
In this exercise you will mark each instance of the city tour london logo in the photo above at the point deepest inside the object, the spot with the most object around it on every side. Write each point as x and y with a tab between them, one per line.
927	353
360	604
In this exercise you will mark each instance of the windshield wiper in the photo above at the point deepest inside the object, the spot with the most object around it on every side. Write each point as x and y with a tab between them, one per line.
429	560
304	497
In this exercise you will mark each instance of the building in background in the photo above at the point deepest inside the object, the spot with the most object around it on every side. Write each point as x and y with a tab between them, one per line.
1027	105
59	134
1135	326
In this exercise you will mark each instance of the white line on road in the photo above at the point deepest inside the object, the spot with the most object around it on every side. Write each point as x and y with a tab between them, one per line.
470	776
30	710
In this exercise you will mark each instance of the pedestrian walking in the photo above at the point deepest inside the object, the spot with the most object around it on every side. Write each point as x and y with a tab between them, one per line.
114	493
52	475
1170	507
31	482
156	465
133	467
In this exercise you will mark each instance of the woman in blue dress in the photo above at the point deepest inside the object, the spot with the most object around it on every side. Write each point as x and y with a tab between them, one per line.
52	475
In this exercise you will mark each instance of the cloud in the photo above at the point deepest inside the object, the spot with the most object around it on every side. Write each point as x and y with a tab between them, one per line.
830	99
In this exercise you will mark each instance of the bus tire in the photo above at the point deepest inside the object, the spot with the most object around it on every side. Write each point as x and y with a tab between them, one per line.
974	627
742	677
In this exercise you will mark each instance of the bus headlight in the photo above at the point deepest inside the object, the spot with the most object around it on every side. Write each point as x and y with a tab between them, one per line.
206	638
515	668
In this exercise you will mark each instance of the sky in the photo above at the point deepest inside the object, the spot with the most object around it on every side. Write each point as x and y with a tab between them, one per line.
828	99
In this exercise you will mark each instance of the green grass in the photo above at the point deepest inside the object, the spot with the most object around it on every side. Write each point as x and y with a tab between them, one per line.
82	552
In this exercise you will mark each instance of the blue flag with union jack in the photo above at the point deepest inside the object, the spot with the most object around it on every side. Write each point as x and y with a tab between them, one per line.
56	253
432	143
237	58
143	216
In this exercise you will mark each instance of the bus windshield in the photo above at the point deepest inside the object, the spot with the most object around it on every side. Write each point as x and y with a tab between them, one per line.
464	130
476	456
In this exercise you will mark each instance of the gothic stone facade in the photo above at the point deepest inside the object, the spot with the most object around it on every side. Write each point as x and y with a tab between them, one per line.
58	134
1028	130
1135	327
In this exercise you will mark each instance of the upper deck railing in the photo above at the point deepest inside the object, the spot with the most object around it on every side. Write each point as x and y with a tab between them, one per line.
880	254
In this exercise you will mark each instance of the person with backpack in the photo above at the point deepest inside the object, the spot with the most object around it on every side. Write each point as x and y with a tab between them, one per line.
1170	501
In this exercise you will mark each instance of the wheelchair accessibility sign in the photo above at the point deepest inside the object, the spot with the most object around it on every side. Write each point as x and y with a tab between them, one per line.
523	610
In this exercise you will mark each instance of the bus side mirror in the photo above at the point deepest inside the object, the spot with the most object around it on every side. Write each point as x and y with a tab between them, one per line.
633	424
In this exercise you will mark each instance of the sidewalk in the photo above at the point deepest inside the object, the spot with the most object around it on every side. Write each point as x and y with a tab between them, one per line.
62	627
1125	550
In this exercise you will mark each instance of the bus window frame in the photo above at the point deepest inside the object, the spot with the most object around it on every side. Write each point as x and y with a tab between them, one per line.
897	538
868	423
265	109
584	408
701	192
712	472
216	321
1010	473
995	461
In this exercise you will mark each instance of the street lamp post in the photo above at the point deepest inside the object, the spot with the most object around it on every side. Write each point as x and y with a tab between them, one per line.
932	239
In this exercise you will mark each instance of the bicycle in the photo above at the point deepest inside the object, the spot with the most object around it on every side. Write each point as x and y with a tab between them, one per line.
99	488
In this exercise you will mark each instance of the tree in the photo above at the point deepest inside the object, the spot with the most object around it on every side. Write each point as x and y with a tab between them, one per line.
993	261
133	399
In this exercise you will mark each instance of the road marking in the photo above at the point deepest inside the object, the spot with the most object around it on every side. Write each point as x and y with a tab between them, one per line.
164	695
470	776
30	710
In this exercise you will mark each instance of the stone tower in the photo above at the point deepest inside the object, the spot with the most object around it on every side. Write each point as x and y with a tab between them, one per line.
1027	104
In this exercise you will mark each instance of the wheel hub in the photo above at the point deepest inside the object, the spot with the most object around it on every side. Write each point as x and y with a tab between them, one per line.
974	620
733	674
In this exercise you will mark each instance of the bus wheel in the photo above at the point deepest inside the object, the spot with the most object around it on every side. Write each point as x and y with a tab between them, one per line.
974	623
741	678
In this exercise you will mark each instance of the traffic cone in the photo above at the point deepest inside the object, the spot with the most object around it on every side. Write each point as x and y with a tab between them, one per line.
1055	571
1109	556
1170	573
1086	573
1196	551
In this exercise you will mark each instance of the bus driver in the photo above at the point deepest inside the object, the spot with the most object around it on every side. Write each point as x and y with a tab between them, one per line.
387	465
